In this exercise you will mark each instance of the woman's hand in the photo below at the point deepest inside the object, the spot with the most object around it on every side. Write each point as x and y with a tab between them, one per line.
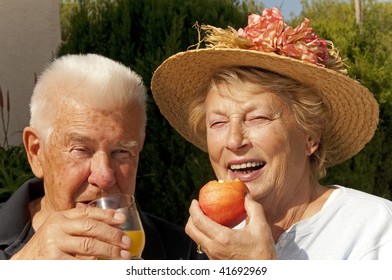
254	241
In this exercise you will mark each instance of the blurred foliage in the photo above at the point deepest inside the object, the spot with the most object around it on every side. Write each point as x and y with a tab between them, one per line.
14	170
142	34
367	50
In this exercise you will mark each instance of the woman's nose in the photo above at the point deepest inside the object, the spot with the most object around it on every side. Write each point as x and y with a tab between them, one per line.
102	173
237	138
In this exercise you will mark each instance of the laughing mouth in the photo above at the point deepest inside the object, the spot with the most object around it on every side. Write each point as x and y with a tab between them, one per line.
246	167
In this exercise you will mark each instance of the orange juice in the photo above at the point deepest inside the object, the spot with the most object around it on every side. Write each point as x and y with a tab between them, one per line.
137	243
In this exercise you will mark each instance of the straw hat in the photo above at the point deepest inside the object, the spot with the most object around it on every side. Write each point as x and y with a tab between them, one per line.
353	111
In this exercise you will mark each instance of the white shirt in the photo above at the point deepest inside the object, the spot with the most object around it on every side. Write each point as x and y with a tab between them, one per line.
352	225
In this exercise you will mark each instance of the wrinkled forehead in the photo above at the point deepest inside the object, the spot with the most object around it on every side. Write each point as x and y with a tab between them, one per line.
222	98
128	118
128	110
244	91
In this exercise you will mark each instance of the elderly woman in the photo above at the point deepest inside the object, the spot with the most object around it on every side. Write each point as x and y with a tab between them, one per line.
273	107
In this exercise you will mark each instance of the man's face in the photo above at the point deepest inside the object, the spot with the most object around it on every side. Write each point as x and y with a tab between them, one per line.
90	153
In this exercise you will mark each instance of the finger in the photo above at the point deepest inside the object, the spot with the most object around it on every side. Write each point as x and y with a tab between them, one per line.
85	247
198	217
109	216
203	230
95	223
191	228
205	224
46	243
82	235
254	210
194	232
96	229
257	219
198	223
197	236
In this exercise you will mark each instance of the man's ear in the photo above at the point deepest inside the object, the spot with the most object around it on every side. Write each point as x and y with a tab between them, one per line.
34	148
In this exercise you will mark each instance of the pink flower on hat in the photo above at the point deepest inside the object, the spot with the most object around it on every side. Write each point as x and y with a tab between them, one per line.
264	30
269	33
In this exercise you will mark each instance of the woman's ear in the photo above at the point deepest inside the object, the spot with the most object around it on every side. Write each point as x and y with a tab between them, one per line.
311	145
33	146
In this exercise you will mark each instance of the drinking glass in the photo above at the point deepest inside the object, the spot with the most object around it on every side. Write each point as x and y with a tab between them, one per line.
132	226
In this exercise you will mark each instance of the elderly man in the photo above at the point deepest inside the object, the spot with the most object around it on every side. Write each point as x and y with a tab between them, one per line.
87	129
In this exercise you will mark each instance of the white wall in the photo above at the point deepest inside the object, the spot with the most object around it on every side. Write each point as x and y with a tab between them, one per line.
29	37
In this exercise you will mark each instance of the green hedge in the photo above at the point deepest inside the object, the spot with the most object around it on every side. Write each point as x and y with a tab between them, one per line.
14	170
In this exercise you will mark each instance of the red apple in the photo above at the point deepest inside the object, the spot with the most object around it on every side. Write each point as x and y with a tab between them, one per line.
223	201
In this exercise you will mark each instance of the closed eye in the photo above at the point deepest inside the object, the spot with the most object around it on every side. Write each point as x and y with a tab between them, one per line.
217	124
120	151
81	151
123	152
130	148
257	120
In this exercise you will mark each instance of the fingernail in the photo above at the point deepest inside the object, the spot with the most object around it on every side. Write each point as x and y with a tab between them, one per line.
119	216
126	240
125	254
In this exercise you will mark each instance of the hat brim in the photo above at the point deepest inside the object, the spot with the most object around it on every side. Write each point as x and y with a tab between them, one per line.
353	108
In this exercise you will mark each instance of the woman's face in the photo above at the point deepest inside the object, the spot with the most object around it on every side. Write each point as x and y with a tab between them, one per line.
254	137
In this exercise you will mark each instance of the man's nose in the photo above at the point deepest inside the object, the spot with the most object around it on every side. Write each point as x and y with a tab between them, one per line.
102	173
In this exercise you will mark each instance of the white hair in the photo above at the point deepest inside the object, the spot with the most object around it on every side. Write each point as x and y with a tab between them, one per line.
89	79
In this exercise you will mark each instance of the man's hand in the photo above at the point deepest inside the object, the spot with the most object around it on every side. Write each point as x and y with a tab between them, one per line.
84	233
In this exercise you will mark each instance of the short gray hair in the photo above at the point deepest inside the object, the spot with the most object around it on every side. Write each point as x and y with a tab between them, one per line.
89	79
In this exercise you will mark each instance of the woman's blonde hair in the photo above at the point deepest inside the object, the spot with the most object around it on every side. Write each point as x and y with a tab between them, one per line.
309	110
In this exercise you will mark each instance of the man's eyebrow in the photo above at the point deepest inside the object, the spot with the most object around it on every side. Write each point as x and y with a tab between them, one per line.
83	138
128	144
79	138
